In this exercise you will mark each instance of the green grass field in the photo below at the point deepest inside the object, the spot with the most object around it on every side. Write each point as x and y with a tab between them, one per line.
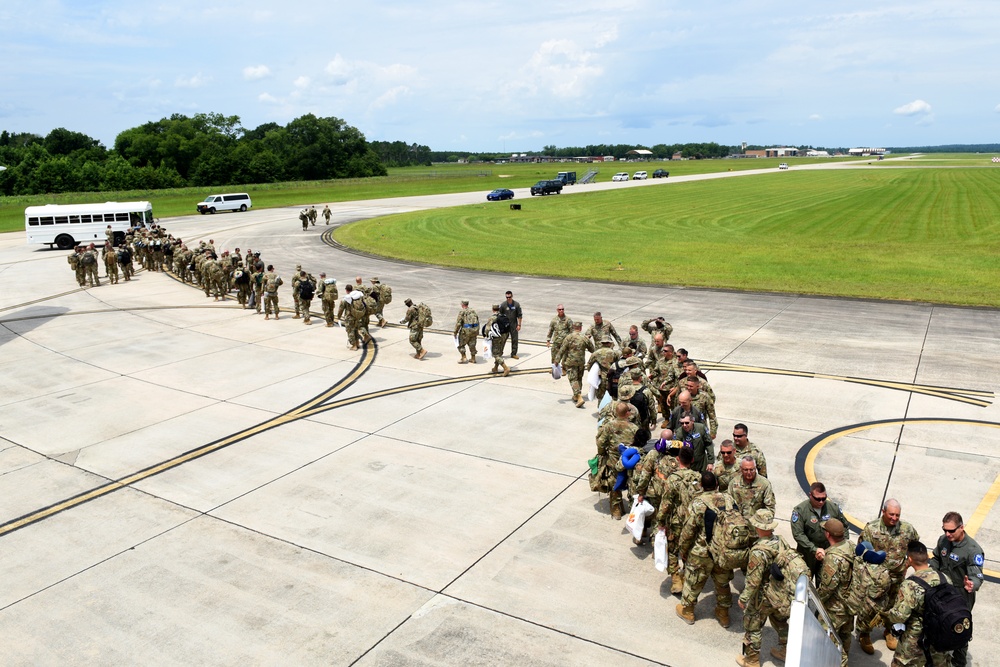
437	179
911	234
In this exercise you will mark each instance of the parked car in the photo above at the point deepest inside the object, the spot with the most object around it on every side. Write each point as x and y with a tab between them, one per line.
783	165
639	176
660	173
546	188
500	194
620	176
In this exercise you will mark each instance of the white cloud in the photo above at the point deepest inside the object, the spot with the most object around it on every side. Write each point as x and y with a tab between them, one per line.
997	108
301	82
268	98
255	72
196	81
815	116
913	108
390	97
343	72
560	67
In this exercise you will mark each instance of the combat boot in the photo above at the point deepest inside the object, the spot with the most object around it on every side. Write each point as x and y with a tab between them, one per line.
676	583
778	652
616	505
496	367
891	641
506	369
578	399
722	615
749	660
686	614
473	359
422	353
865	641
463	359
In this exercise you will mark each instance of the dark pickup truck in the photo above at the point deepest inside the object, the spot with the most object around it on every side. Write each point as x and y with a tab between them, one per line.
546	188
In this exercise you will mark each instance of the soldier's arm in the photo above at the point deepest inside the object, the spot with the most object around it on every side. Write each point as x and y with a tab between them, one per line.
974	570
905	601
646	325
664	510
769	501
758	563
614	334
829	577
713	421
762	464
866	534
645	469
690	529
552	327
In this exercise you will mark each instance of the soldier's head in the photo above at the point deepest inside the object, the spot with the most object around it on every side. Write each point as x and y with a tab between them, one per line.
465	304
348	288
668	351
953	527
834	531
633	332
622	410
817	494
598	318
748	469
375	280
709	482
577	326
270	267
682	355
693	384
409	303
687	424
359	281
302	274
560	310
763	521
684	398
728	452
686	457
916	554
496	307
666	437
891	512
740	435
690	368
658	341
322	275
608	340
510	297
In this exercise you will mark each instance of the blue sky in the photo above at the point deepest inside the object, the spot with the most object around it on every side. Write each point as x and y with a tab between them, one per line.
515	76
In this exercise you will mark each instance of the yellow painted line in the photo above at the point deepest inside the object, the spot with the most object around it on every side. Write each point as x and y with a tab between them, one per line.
985	505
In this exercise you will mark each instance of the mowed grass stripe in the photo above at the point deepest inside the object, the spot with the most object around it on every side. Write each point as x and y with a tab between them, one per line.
911	234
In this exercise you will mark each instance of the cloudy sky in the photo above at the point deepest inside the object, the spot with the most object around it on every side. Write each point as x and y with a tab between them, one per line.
515	76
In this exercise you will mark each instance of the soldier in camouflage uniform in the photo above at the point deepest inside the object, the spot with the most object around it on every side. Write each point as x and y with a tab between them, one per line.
559	327
704	403
637	345
600	330
272	281
612	433
657	326
125	261
663	374
466	331
257	285
345	313
681	486
89	261
698	563
726	468
328	297
313	215
111	263
295	292
751	491
304	219
382	294
76	264
603	357
743	447
412	320
886	533
572	357
909	610
755	605
807	525
835	583
327	213
497	342
649	477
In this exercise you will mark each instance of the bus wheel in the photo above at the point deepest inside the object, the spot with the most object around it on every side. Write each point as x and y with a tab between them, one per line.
65	242
243	208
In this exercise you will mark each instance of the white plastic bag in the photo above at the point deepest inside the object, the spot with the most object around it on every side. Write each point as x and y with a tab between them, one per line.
488	351
556	371
456	341
637	517
594	380
660	550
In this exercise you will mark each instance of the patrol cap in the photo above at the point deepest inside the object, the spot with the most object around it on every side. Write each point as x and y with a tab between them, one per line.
464	302
608	340
834	527
633	361
375	279
763	520
408	302
496	306
626	392
636	373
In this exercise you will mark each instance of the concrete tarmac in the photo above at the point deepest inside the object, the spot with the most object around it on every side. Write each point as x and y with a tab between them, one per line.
182	482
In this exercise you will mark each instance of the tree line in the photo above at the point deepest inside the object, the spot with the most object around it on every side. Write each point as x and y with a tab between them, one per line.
207	149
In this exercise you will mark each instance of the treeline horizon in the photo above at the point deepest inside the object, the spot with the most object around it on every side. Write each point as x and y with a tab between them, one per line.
210	149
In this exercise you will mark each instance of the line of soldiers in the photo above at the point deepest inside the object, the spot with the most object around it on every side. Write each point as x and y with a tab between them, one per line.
716	511
309	215
152	248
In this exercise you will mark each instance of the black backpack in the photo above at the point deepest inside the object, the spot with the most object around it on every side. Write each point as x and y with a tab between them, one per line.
947	618
503	323
306	290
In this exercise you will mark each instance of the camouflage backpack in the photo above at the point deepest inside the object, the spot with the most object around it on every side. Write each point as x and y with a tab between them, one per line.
869	583
371	305
358	305
786	569
732	537
74	260
89	258
385	294
424	317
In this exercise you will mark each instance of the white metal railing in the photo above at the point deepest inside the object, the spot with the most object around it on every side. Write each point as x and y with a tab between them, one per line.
811	642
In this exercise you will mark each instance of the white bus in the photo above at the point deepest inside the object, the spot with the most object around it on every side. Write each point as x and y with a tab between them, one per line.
67	225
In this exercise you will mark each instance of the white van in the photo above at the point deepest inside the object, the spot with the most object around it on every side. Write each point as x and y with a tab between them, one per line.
239	201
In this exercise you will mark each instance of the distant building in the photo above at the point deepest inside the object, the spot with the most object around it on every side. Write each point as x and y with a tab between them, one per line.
640	154
867	151
815	153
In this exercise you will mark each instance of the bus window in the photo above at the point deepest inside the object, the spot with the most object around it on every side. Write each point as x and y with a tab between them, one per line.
85	218
135	219
74	219
121	217
33	222
61	220
46	221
